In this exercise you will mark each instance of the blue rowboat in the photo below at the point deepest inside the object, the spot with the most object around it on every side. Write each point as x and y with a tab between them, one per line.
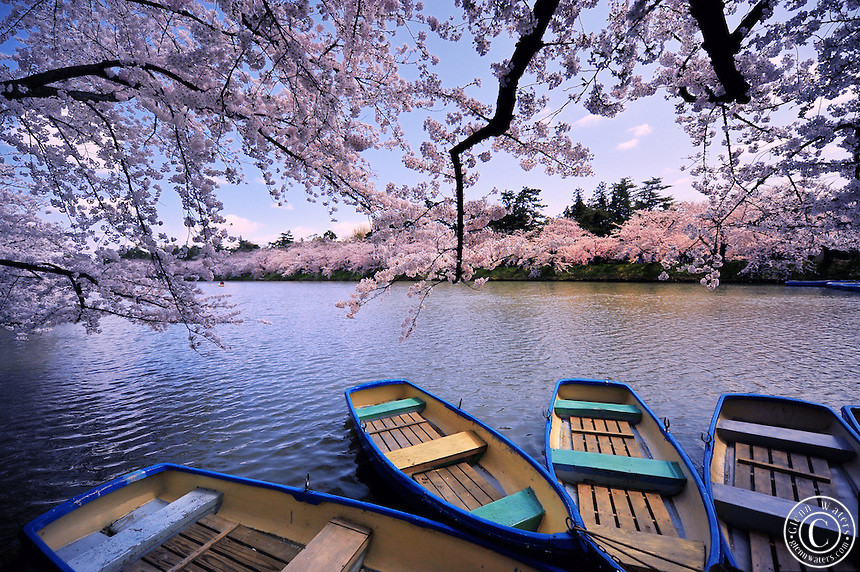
638	496
452	465
170	516
848	285
765	455
851	414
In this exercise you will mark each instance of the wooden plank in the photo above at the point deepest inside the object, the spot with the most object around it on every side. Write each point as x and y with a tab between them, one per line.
520	510
603	506
577	437
784	559
661	514
217	559
395	433
823	484
340	545
401	425
597	410
141	566
623	511
762	477
633	449
272	546
132	543
743	473
161	558
646	551
783	485
787	470
635	473
459	488
204	547
586	505
761	552
611	431
438	452
382	437
805	487
603	443
425	426
135	516
830	447
644	520
474	489
389	408
478	479
444	490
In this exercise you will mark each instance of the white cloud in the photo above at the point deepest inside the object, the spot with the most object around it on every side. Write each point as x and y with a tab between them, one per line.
589	120
237	225
638	132
283	205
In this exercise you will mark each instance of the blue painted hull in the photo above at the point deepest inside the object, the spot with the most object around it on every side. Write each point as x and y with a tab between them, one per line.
826	421
298	500
847	286
713	553
562	547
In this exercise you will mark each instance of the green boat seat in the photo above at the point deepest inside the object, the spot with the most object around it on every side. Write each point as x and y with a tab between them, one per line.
598	410
134	541
750	510
636	473
822	445
389	408
520	510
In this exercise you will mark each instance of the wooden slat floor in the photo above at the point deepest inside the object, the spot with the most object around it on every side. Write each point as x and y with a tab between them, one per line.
630	510
460	484
792	476
214	543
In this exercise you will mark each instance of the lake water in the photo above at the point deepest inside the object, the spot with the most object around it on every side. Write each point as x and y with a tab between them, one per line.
76	410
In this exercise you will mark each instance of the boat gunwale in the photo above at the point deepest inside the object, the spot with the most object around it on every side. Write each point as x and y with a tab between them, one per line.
715	545
850	418
309	497
710	440
506	533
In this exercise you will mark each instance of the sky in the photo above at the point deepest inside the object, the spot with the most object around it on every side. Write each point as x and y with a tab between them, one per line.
642	142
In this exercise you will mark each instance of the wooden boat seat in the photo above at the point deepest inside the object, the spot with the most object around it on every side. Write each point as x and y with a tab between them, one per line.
438	452
635	473
830	447
132	542
389	408
520	510
339	547
598	410
652	552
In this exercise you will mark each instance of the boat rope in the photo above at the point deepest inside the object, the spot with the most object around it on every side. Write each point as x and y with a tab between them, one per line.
610	540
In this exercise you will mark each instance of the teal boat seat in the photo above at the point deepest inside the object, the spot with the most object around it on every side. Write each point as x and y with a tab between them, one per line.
664	477
824	445
520	510
598	410
389	408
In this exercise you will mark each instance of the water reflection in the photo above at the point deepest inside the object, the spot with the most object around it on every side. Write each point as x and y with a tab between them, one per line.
76	410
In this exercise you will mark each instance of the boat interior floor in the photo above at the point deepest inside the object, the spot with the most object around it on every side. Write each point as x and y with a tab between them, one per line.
632	526
462	484
785	474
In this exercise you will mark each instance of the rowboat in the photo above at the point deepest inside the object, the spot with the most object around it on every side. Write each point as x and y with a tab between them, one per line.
448	463
851	414
849	285
639	498
167	517
765	455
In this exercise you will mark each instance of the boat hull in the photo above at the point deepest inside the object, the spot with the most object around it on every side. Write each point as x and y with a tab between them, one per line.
634	487
291	516
851	414
764	455
510	469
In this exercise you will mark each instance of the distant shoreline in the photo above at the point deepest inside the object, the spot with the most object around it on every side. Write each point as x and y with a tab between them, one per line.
730	273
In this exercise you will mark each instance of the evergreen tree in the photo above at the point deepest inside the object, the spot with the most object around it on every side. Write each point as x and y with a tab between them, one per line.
619	203
284	241
523	211
648	197
578	207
